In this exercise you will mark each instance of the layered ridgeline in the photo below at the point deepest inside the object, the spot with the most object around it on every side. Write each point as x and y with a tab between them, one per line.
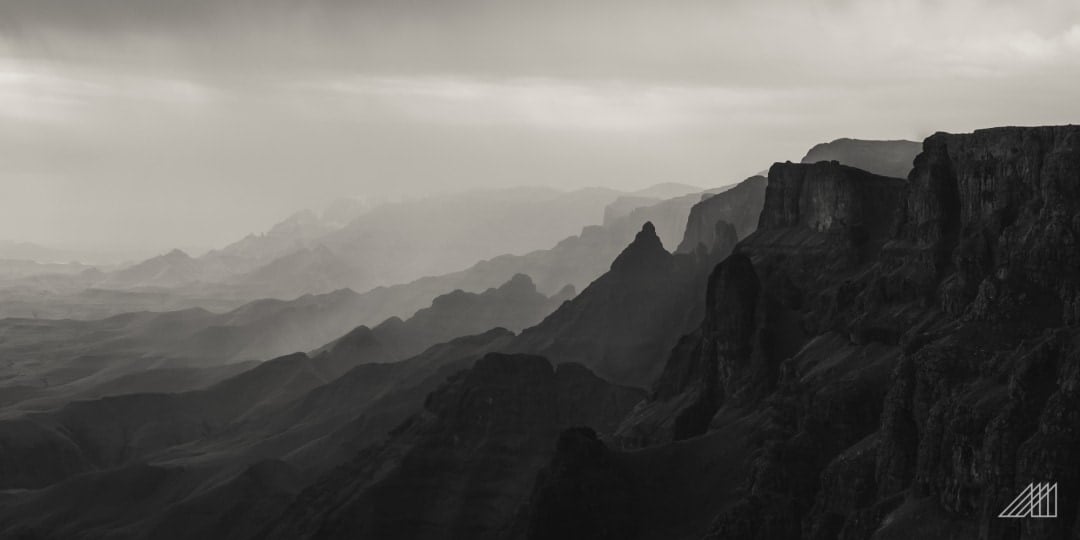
881	359
212	462
52	362
309	253
306	262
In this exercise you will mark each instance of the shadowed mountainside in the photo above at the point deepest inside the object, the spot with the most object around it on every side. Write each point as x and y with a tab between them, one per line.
461	467
890	359
219	461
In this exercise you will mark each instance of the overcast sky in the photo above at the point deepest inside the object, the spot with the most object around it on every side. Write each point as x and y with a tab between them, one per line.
147	124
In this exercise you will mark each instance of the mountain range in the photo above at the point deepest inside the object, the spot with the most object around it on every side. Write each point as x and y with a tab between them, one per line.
825	352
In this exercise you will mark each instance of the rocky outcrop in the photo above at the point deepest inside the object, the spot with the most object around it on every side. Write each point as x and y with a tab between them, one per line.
933	373
818	222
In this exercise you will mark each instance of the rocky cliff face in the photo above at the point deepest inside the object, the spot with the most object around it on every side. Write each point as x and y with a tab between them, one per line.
818	222
929	367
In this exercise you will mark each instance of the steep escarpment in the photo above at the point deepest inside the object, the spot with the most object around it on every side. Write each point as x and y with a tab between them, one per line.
818	223
929	368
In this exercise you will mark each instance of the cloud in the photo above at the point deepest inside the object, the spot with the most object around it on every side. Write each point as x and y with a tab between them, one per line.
31	92
611	106
238	112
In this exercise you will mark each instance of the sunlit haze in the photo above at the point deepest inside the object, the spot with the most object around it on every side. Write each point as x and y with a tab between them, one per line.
141	126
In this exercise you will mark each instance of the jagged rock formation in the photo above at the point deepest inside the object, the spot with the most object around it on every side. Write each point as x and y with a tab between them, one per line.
818	221
899	358
461	468
887	158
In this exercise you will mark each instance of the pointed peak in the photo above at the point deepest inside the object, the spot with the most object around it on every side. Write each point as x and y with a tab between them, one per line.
177	254
647	229
647	237
643	251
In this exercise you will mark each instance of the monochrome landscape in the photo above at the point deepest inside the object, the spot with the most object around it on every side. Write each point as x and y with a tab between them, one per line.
467	270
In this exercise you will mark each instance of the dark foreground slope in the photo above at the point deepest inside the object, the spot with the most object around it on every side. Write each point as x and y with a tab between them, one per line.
463	466
884	359
216	463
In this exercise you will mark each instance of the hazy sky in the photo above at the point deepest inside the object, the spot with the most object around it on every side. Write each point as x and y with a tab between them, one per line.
148	124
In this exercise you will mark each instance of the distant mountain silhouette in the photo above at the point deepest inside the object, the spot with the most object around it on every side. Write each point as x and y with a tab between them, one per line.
86	354
388	245
887	158
320	267
738	206
18	269
172	269
666	190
